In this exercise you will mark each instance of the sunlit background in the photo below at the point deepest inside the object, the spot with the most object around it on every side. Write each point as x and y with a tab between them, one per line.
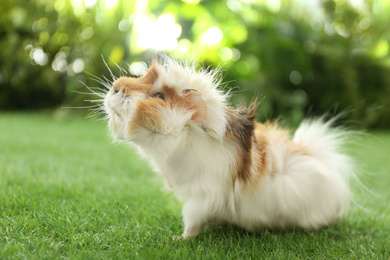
297	56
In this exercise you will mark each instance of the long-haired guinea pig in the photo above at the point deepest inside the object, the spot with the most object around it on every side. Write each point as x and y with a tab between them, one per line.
226	167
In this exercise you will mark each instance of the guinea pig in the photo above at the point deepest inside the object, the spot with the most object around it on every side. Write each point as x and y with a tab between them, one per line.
225	166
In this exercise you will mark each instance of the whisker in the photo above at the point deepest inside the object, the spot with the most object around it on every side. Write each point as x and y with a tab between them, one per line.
121	70
104	82
90	89
98	110
94	77
107	85
94	100
105	63
119	67
98	89
94	106
109	81
100	115
85	93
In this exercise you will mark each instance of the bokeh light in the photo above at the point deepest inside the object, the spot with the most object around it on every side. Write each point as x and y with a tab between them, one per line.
270	46
159	34
211	37
110	3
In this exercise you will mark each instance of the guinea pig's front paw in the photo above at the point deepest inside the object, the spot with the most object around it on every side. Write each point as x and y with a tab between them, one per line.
188	233
177	238
181	237
191	232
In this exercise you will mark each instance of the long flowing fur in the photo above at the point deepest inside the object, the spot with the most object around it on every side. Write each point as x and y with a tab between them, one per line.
224	165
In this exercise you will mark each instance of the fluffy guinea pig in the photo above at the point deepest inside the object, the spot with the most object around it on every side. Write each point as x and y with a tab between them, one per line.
225	166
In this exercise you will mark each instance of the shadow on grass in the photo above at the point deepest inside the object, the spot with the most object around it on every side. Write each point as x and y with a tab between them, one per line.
342	239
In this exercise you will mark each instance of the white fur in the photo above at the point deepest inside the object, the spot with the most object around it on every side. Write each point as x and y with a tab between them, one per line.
307	190
121	110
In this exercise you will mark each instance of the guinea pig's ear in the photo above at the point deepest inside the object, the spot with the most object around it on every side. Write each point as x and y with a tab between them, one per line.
194	101
152	73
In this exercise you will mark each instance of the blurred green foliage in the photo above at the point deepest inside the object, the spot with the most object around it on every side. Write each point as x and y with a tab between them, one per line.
297	56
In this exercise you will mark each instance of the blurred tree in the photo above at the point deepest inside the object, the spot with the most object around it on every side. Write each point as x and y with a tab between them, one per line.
299	56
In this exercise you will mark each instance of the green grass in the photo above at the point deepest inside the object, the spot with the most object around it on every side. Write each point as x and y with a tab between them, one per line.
67	192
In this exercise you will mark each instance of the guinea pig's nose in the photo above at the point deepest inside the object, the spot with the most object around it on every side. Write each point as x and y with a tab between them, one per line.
116	89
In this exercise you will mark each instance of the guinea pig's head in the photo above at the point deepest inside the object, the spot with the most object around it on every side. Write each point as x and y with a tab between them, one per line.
168	100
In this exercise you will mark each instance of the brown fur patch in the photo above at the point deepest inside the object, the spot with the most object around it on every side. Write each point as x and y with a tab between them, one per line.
143	84
147	115
273	131
252	160
261	149
241	128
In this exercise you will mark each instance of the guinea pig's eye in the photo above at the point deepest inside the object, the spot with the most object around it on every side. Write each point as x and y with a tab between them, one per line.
159	95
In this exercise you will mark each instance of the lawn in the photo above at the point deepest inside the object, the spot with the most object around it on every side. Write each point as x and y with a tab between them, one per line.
66	191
